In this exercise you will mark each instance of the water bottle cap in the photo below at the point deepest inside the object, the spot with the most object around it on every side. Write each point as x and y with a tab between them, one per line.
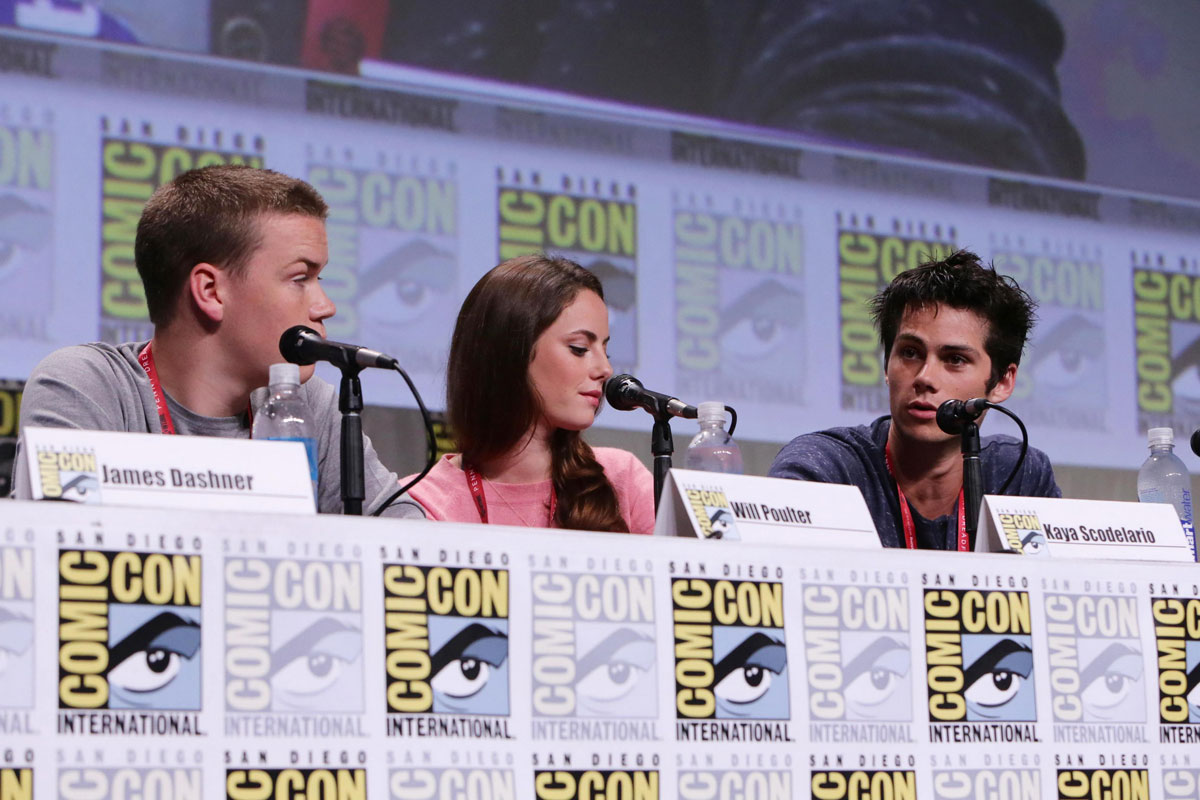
284	373
711	411
1160	436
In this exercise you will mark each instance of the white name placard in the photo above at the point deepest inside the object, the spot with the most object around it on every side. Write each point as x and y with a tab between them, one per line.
747	508
153	471
1081	529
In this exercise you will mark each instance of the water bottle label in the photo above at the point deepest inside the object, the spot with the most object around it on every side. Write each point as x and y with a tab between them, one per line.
1189	530
1151	496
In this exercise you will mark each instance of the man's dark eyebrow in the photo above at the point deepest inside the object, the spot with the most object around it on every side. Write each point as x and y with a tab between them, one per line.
957	348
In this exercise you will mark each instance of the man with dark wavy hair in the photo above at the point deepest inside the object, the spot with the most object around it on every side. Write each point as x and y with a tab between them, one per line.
951	330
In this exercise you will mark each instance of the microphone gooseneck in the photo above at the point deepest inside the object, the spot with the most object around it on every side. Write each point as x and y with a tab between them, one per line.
626	393
302	345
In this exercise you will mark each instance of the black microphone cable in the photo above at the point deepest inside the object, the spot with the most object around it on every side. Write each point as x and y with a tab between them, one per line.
1024	444
431	443
733	419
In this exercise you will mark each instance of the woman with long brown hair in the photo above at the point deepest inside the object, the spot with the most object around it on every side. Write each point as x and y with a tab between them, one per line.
528	361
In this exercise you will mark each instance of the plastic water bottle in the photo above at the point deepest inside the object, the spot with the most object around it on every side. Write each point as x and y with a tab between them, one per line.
284	416
713	449
1163	478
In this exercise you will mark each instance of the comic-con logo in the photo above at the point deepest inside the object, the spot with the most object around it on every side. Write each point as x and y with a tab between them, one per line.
592	222
129	630
868	260
451	783
1166	321
1103	784
1179	784
293	636
1096	665
865	785
1177	638
130	172
68	474
1063	381
16	783
857	653
395	266
739	301
310	784
592	783
979	656
150	783
714	515
16	627
969	784
446	640
733	784
1023	533
730	650
593	646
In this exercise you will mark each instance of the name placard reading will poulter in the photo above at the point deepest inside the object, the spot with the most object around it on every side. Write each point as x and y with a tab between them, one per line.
152	471
747	508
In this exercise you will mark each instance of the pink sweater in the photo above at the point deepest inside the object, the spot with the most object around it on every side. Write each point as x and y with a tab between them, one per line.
444	494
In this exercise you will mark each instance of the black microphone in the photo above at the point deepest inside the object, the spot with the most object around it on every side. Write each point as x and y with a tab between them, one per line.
1196	441
625	393
952	414
302	345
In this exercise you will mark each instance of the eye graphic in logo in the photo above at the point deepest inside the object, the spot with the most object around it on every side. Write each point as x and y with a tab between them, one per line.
152	659
16	655
762	321
1033	542
312	662
1193	681
1068	356
875	676
620	294
468	665
749	678
722	524
614	677
998	677
403	285
311	667
1110	681
24	230
1185	366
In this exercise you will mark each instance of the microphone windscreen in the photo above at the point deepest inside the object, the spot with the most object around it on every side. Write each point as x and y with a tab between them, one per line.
1196	441
948	418
291	345
614	392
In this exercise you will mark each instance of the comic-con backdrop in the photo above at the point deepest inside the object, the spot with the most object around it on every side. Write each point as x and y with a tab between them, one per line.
287	657
741	176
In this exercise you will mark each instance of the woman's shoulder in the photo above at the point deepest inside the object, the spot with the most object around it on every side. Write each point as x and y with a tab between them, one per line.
617	461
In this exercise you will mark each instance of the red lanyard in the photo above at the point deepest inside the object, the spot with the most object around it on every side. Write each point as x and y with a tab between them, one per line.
146	359
910	529
475	485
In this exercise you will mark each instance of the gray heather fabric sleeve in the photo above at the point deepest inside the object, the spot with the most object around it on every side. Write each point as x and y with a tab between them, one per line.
380	482
77	387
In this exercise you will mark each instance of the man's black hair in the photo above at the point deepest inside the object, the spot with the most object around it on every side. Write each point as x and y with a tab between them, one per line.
961	281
